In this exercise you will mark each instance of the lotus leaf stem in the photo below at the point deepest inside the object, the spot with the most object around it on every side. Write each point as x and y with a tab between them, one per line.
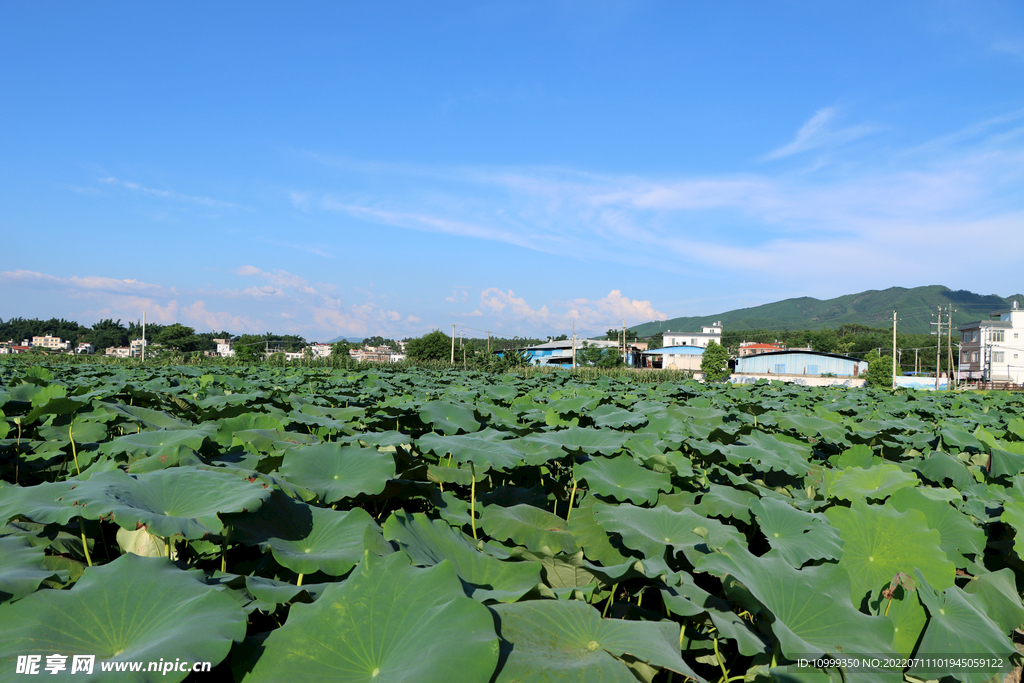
298	582
472	497
74	451
721	664
572	496
85	544
609	603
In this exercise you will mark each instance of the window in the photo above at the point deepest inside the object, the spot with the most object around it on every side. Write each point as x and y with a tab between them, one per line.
998	357
1014	335
974	356
1014	356
965	357
997	335
974	336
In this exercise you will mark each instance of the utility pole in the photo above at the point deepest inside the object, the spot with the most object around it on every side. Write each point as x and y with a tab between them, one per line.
453	345
938	342
488	343
143	336
574	344
623	340
917	368
894	348
949	340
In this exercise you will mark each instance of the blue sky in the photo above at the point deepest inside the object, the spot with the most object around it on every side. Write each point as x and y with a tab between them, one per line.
351	169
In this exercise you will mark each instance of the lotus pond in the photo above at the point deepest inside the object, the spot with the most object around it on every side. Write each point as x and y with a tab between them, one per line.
419	526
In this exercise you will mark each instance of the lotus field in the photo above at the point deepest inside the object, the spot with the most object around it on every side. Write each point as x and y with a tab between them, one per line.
307	524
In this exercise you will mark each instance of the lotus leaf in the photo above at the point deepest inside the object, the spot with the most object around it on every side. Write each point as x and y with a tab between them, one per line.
957	626
651	530
957	532
622	479
183	501
449	418
585	439
304	538
878	482
335	472
879	542
388	623
535	529
486	450
569	641
133	609
797	536
485	578
22	568
811	607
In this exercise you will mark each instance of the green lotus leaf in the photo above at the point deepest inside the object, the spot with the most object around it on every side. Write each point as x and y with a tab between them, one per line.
811	607
907	615
82	431
482	449
690	600
335	472
880	541
615	417
958	626
449	418
161	442
227	427
585	439
147	417
304	538
40	503
1004	463
429	542
961	440
999	598
651	530
183	501
133	609
798	536
388	623
569	641
622	479
725	501
940	467
808	425
957	532
766	452
22	568
535	529
1013	514
878	482
591	536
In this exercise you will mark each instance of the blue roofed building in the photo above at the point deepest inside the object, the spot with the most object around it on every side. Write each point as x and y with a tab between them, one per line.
801	362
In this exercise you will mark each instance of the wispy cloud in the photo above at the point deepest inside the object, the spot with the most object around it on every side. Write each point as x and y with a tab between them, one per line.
819	133
168	194
588	314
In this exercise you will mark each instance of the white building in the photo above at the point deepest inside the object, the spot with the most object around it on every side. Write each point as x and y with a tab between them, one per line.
86	348
118	352
708	333
224	349
318	350
993	350
48	342
135	347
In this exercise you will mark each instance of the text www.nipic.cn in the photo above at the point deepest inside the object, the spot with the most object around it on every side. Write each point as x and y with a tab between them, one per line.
85	664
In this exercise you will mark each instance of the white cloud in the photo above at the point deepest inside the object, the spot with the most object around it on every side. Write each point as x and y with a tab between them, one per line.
588	314
89	283
168	194
817	133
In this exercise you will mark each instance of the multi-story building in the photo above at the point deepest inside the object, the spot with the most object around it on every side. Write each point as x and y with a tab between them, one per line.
318	350
707	334
118	352
48	342
224	349
136	346
85	347
993	350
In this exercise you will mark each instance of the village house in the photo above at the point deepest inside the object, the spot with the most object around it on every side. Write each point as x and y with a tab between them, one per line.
993	350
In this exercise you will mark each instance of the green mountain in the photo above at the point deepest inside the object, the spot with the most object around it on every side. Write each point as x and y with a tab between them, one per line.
915	309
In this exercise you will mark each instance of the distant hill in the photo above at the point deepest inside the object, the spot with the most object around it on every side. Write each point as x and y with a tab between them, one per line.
350	340
915	310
